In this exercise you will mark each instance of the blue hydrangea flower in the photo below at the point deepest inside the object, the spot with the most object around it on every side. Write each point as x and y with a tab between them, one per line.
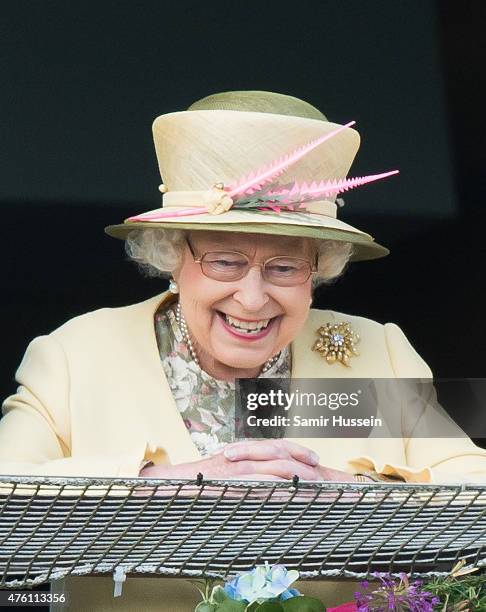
261	583
288	594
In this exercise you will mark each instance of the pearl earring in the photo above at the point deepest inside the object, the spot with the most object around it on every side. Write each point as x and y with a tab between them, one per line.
173	286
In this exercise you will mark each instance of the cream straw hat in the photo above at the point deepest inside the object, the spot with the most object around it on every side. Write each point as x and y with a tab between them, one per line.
256	162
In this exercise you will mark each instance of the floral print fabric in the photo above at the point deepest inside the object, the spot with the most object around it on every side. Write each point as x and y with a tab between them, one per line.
206	404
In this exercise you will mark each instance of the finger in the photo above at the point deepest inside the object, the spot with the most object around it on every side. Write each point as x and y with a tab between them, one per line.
264	450
299	452
260	477
330	475
255	450
283	468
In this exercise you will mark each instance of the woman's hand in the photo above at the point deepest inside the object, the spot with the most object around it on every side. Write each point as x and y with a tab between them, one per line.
283	459
270	460
253	459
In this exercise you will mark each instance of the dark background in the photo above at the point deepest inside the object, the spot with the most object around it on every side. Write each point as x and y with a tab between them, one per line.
82	82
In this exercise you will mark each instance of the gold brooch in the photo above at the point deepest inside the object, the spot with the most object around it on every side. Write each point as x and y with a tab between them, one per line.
336	342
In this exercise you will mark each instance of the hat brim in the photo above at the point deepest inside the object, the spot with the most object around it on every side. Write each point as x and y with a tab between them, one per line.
258	222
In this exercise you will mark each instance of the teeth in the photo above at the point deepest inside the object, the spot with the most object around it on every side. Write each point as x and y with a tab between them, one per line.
248	326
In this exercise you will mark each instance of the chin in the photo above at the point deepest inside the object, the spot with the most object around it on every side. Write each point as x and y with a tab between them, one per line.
242	360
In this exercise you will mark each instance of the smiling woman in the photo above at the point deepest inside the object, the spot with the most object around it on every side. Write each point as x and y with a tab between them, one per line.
220	311
243	298
248	226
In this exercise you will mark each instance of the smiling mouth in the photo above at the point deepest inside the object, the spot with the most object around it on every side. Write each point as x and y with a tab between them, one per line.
247	328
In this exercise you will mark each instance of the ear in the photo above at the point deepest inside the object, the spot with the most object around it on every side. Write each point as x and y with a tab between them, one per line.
184	255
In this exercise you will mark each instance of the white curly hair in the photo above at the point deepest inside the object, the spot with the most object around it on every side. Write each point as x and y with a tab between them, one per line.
158	252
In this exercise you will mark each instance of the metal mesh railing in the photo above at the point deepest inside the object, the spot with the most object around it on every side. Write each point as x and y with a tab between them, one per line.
54	527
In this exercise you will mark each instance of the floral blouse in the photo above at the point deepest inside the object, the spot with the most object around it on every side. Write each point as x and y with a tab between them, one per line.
206	404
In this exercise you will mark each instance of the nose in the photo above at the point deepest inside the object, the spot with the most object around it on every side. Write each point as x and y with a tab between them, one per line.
251	290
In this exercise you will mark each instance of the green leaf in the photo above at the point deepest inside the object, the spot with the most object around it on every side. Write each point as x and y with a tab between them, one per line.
301	603
230	605
218	594
270	606
205	606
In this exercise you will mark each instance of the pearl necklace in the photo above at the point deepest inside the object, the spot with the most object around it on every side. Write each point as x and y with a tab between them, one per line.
181	321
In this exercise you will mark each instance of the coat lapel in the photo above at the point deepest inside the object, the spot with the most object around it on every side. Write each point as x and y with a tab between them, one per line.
160	403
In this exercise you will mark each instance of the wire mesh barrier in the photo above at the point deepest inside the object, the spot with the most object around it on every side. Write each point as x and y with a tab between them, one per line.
54	527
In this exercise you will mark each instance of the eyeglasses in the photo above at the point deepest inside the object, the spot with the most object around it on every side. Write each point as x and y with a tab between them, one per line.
228	266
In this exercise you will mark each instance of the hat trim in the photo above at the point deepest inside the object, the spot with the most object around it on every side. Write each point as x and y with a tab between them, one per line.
365	247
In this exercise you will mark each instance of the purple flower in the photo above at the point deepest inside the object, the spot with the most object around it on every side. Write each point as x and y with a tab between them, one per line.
394	595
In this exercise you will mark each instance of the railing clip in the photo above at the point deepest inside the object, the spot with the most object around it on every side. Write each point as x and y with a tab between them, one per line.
119	576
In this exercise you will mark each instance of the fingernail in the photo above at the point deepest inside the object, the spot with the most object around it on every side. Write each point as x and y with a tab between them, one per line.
230	453
314	457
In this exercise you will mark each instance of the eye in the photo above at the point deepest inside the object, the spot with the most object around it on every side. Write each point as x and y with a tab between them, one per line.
225	261
281	269
285	267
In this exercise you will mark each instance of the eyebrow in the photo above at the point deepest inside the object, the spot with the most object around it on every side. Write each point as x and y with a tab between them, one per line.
221	244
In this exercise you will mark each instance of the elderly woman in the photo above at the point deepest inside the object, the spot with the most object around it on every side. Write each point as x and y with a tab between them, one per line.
247	228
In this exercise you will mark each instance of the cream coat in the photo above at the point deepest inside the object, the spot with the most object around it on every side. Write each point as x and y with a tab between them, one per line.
93	401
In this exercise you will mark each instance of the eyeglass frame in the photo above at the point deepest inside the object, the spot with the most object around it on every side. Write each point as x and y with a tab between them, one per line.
262	265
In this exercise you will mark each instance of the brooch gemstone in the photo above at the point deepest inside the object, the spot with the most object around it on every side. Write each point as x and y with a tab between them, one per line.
336	342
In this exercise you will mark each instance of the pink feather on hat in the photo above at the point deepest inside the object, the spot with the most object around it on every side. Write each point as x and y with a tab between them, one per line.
266	174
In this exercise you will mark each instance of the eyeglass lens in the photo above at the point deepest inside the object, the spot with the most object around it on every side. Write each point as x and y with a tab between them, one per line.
228	266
